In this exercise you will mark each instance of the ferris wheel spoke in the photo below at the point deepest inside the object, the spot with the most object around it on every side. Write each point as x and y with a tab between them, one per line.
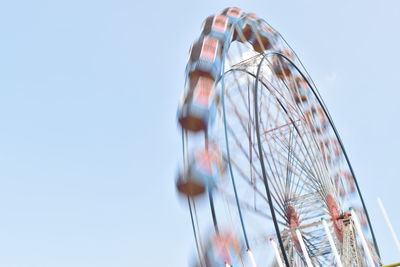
294	172
324	165
243	150
290	177
308	154
303	168
246	179
275	135
276	183
247	206
291	108
301	181
259	193
249	182
300	153
304	152
277	93
298	164
241	118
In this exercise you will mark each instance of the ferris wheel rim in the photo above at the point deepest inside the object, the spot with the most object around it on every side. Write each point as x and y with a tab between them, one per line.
316	95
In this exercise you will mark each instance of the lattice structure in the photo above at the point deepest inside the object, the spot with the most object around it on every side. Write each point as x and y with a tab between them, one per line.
350	251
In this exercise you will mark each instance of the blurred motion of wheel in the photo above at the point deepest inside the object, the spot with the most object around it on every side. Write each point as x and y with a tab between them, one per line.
261	150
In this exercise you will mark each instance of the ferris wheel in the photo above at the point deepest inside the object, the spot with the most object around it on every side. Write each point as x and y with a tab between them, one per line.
264	172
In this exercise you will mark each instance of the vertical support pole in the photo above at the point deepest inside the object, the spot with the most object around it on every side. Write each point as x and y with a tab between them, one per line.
389	224
277	254
251	257
214	216
197	241
332	243
303	248
363	241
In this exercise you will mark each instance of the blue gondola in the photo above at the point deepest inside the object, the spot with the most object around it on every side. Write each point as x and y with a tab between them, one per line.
220	250
224	248
205	59
234	14
235	17
217	27
204	172
197	112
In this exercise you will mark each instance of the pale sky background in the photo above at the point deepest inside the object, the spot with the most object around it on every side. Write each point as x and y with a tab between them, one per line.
88	138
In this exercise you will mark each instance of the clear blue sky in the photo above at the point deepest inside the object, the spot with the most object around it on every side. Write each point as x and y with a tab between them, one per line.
88	137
